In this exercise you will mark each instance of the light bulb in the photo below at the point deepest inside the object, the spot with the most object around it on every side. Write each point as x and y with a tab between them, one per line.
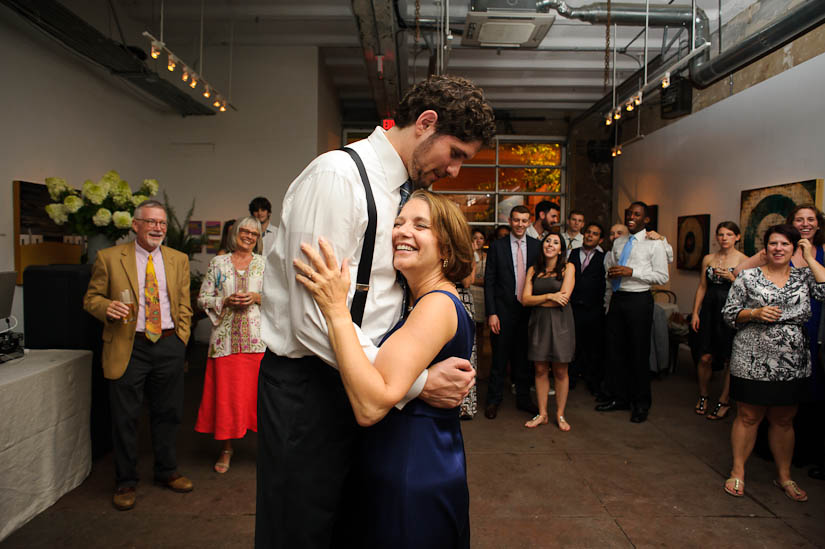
618	151
617	114
613	151
637	99
223	106
217	102
185	75
666	80
608	121
156	47
629	106
193	81
172	63
207	92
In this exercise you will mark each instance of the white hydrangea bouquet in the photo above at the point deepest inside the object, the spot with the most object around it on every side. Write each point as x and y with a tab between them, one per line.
105	207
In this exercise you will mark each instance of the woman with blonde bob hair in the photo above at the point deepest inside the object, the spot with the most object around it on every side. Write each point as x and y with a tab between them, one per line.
410	468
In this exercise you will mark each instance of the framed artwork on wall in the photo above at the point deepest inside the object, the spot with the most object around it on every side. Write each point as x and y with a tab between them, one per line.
693	235
767	206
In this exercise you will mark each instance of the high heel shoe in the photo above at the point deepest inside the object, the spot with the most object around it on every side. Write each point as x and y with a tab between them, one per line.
220	466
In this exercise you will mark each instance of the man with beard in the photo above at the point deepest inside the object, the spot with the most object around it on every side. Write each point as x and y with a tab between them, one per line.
306	428
547	217
633	265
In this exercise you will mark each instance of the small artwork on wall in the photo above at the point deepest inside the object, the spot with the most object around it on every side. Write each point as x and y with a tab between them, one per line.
764	207
694	243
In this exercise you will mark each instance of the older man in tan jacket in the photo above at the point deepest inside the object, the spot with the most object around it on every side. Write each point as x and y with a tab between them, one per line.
144	343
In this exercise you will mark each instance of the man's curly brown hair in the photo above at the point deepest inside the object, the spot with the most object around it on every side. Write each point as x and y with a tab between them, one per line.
462	110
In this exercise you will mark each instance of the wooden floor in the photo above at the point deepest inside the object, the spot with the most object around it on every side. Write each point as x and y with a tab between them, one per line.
607	483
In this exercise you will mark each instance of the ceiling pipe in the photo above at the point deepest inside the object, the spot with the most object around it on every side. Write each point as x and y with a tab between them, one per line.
635	15
780	32
703	70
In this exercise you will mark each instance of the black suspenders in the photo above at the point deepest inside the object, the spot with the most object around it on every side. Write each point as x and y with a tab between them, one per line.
362	281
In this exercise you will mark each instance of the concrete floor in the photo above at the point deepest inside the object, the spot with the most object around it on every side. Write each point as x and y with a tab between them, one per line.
607	483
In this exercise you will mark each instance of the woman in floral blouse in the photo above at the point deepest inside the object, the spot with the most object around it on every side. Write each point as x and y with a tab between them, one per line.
231	297
770	362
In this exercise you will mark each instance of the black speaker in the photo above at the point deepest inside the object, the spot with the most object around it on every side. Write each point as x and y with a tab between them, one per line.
53	318
677	100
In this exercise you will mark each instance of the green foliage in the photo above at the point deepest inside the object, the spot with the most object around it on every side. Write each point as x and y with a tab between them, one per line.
177	234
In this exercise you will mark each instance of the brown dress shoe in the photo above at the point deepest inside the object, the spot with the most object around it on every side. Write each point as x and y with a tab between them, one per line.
124	498
177	483
491	411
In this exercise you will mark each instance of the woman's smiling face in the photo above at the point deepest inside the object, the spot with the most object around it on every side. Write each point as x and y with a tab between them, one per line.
415	246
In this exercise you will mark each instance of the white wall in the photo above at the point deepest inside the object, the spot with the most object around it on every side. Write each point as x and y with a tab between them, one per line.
63	117
769	134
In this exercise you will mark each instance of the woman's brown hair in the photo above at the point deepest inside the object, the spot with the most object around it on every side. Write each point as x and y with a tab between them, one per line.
453	234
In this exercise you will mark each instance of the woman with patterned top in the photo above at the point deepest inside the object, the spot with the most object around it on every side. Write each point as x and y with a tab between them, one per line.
714	337
231	297
770	363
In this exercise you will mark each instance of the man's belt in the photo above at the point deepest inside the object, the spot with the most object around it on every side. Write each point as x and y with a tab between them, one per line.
163	333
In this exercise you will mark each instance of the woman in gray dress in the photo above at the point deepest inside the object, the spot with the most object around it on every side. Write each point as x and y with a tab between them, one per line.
770	363
551	333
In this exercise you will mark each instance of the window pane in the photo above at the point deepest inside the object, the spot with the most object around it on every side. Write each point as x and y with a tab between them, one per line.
469	179
476	207
530	154
536	180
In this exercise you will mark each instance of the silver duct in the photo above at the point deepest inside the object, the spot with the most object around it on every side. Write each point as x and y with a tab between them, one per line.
703	70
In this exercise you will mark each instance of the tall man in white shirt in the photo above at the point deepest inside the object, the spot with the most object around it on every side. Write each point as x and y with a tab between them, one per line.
633	265
306	428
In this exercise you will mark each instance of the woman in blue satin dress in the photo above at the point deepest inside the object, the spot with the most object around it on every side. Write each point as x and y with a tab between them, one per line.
410	487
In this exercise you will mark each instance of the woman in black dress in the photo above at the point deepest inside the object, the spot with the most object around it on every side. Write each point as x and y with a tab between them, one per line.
551	331
714	337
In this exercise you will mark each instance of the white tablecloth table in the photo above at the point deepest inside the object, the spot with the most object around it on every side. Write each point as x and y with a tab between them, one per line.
45	448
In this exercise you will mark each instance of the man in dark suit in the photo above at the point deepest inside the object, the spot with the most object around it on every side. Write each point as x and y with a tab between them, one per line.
588	307
507	262
144	346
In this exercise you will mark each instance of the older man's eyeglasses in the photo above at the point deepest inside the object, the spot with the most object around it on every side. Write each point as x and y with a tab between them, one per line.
153	222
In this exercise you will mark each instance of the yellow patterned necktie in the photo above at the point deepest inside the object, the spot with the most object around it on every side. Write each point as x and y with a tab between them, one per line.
152	309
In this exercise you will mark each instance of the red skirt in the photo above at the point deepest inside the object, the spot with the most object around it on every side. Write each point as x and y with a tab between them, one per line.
229	406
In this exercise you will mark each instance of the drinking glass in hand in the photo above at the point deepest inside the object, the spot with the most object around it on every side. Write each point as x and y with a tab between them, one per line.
126	299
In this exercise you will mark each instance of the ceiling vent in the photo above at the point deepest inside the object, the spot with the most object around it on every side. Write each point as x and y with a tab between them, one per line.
505	24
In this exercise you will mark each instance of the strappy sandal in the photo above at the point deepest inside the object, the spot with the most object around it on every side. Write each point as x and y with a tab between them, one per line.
791	490
221	467
702	408
715	415
537	420
738	484
562	423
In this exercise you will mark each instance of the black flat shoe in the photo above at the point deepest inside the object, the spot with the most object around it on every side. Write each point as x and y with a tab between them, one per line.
612	406
817	472
638	416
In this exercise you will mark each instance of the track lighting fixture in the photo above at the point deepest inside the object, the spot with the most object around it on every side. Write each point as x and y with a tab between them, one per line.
187	75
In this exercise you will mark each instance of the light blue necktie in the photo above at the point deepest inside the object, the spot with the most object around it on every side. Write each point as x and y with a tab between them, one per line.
616	282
